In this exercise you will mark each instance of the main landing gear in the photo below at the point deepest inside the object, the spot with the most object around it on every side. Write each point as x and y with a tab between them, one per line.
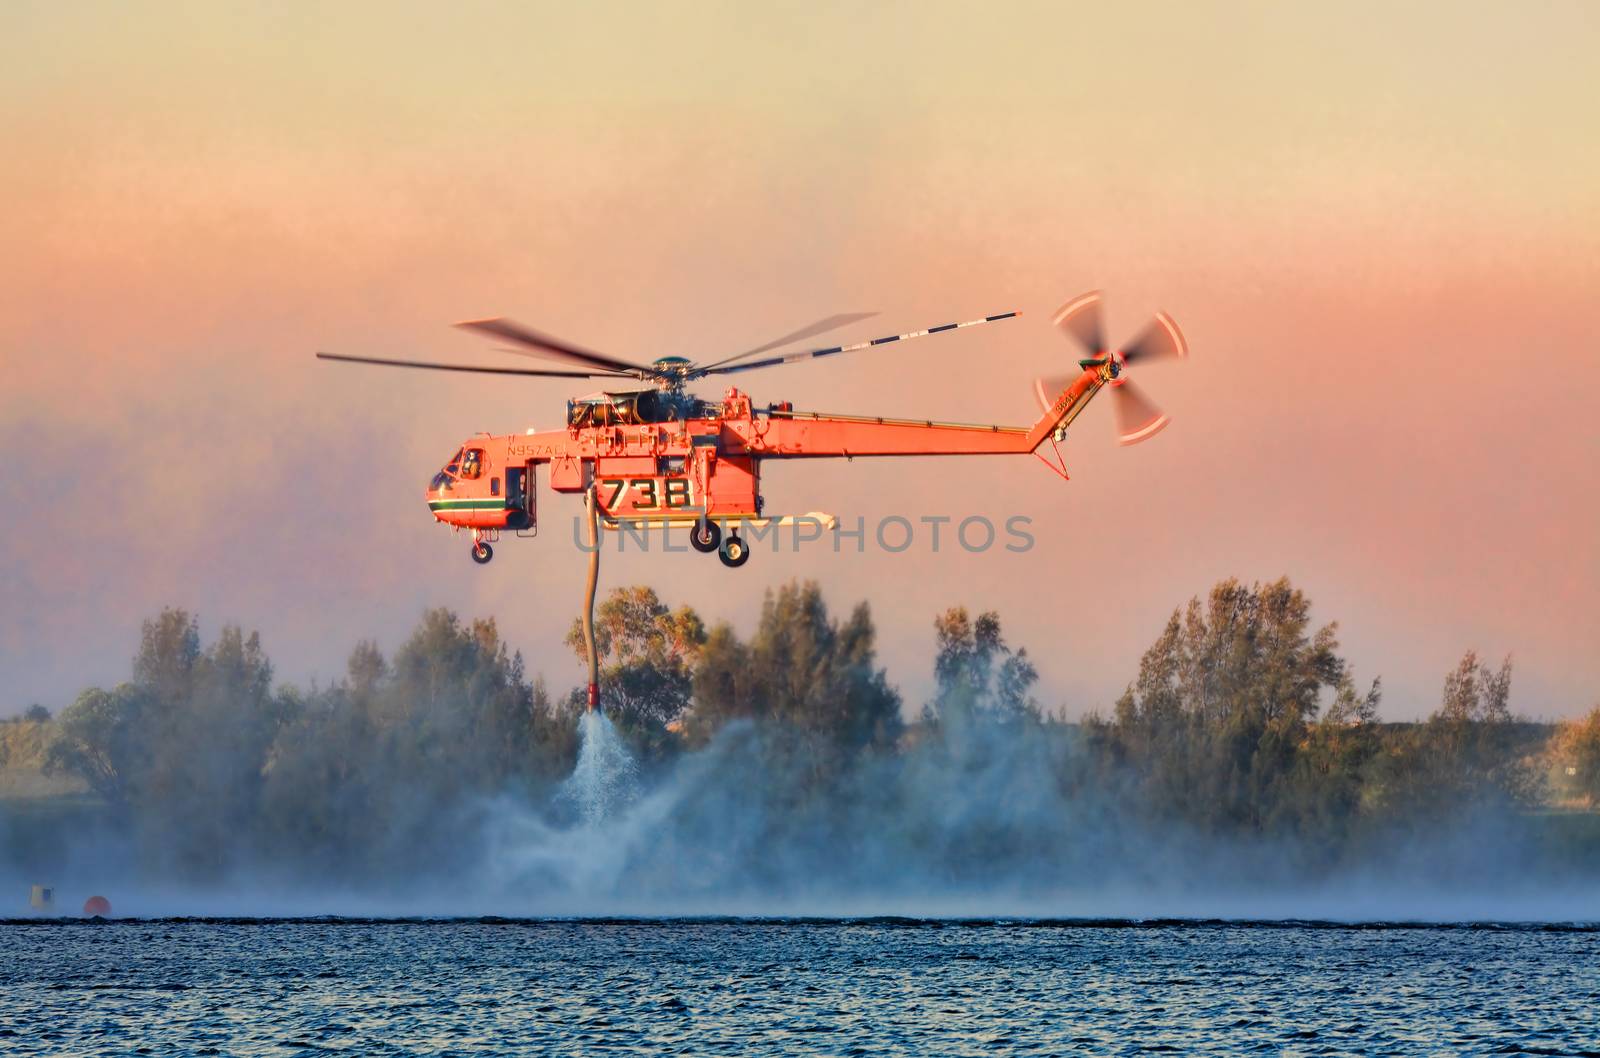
706	536
734	553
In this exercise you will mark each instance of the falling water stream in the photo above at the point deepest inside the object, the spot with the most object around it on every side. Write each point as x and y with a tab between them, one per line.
603	781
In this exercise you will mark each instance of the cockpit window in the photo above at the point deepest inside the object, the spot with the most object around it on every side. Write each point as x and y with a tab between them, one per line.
446	477
472	463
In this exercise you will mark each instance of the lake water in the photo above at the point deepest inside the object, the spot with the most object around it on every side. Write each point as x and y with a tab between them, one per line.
750	987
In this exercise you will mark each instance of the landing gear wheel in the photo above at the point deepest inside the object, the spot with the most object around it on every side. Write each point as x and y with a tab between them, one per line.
482	553
734	553
705	535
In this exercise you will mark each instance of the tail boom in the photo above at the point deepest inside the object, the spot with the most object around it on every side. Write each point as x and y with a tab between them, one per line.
1067	406
798	435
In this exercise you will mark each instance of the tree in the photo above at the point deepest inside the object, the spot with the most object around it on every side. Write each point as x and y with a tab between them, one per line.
1224	703
169	650
213	717
36	713
1577	749
723	686
97	739
457	705
183	744
366	668
1474	693
1467	751
804	672
386	767
121	742
1469	754
977	675
647	655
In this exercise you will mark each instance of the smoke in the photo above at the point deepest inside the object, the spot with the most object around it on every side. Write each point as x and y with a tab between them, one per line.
986	820
988	825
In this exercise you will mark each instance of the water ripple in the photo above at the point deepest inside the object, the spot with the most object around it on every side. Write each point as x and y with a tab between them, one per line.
740	987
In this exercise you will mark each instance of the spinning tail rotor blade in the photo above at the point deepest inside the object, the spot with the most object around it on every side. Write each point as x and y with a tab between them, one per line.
793	358
469	367
1138	418
1049	388
1160	340
1081	319
536	344
820	327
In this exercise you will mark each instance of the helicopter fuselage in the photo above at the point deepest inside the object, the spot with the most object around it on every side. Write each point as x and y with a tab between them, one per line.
659	455
646	463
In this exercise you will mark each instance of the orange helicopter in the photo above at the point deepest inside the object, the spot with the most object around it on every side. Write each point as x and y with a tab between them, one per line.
654	454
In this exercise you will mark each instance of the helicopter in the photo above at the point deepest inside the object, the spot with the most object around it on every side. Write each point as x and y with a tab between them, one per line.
649	452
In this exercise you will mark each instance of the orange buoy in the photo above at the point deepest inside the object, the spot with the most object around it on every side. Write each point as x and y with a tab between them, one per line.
97	907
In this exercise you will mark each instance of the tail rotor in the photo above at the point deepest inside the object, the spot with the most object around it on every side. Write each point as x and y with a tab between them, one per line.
1138	417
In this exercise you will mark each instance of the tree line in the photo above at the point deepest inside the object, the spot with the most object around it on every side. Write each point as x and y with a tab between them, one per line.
1243	719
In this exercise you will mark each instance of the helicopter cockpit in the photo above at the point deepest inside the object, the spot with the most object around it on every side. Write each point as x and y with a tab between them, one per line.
465	465
447	475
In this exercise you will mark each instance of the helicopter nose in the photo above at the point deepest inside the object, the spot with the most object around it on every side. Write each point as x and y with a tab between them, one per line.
434	497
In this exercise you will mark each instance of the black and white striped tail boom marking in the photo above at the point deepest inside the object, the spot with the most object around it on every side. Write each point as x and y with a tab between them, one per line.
792	358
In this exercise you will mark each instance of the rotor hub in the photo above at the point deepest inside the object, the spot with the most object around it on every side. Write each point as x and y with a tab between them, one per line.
1116	368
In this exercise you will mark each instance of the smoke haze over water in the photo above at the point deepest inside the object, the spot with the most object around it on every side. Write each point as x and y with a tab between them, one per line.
990	828
987	830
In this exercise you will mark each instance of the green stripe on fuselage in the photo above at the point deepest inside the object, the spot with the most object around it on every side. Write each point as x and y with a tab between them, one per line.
467	505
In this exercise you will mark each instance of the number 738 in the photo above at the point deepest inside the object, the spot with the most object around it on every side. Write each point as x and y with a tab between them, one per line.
652	493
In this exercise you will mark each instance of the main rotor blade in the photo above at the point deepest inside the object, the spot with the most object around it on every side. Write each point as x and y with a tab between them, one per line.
550	348
1138	418
1080	319
819	327
470	367
793	358
1160	340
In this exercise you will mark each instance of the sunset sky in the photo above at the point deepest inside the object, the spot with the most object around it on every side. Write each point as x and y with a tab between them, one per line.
1378	225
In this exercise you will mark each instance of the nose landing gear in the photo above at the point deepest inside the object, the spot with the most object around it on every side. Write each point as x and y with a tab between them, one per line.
481	551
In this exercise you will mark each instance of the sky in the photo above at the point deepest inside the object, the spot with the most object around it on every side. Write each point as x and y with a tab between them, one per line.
1378	225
